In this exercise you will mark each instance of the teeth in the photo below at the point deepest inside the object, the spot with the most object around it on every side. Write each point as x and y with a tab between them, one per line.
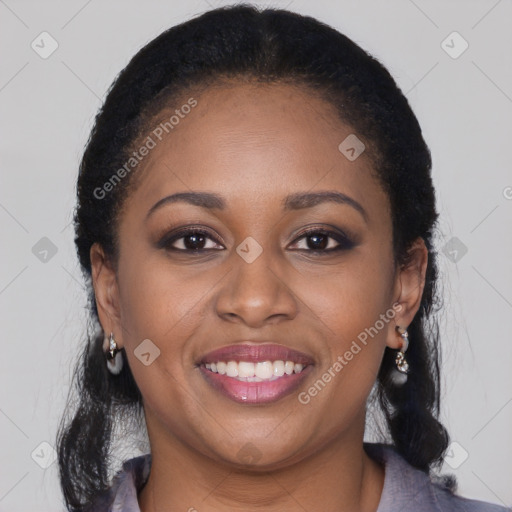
264	370
232	369
245	369
255	372
288	367
278	368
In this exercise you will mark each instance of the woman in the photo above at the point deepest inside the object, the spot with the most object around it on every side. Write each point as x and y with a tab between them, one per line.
255	215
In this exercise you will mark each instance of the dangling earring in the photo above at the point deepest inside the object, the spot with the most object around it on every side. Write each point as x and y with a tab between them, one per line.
113	355
399	375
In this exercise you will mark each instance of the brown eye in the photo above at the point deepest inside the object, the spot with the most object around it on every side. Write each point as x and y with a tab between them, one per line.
196	240
191	240
324	241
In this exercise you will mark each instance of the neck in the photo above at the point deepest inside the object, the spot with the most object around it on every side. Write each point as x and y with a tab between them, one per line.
340	476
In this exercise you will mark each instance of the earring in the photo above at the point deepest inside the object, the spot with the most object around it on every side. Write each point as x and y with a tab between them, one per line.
399	375
113	355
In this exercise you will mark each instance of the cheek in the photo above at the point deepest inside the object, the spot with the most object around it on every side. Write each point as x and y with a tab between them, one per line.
350	296
166	305
156	295
352	307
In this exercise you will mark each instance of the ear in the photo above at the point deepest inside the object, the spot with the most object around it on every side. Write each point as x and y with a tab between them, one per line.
106	292
408	290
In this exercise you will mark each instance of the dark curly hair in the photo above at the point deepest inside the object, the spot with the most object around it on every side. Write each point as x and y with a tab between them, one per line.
269	46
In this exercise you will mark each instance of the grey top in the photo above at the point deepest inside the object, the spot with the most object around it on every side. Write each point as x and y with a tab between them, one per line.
406	489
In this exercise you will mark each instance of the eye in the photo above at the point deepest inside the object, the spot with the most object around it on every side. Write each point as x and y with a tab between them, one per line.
195	240
324	241
190	240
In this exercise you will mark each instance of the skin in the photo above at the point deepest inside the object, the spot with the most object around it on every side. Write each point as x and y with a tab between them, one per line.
253	145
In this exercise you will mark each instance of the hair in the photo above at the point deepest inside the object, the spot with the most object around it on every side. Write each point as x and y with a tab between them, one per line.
268	46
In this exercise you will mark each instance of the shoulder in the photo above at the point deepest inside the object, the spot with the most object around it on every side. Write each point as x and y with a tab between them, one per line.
408	488
123	490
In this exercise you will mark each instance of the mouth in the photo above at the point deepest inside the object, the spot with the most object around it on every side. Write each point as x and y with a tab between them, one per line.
255	374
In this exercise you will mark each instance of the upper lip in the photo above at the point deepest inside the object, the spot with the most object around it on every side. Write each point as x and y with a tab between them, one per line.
254	352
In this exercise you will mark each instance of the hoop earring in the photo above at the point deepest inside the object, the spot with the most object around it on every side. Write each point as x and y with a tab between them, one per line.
399	374
113	355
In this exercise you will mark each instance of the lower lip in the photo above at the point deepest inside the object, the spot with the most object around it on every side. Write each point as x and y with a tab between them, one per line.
255	392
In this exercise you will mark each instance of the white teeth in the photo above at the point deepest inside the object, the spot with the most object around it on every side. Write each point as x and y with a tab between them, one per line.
245	369
278	368
232	369
255	372
264	370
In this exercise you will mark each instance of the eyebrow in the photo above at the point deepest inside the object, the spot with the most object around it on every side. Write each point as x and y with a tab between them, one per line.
296	201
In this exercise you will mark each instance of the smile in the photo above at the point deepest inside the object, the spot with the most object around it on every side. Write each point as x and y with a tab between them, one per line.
251	372
247	371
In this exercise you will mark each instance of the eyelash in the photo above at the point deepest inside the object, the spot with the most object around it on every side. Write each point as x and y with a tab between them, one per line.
345	243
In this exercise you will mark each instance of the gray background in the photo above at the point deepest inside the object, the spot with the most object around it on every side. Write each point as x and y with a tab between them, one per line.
464	105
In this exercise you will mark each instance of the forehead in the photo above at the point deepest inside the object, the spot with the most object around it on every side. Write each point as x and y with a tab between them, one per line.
251	141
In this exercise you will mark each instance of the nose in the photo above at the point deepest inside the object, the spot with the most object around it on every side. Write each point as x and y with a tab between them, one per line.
256	293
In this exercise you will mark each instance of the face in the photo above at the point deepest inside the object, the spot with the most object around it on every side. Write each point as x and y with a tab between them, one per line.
275	273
